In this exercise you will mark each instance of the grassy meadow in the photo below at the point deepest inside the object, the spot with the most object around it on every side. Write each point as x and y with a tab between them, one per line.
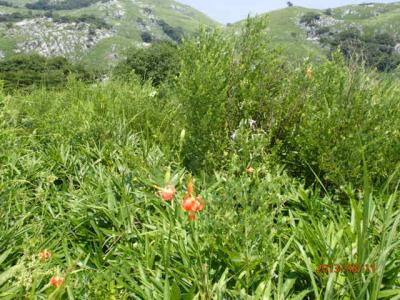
242	177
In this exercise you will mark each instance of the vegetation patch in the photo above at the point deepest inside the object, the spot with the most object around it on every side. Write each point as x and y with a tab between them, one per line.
377	50
174	33
89	19
6	3
24	72
156	63
61	5
310	18
232	175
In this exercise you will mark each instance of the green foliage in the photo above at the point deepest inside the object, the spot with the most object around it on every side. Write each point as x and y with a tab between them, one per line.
310	18
6	3
26	71
157	62
223	81
328	12
61	5
146	37
78	177
175	34
374	50
346	110
90	19
13	17
81	168
311	120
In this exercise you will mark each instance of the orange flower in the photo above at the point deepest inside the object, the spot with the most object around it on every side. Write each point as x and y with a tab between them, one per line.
44	255
191	203
167	193
57	281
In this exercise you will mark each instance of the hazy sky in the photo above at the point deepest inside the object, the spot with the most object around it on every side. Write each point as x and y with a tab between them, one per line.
226	11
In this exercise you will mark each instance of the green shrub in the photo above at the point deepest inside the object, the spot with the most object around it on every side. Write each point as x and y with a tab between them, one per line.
174	33
223	81
61	5
146	37
350	117
26	71
328	12
157	63
310	18
6	3
374	50
13	17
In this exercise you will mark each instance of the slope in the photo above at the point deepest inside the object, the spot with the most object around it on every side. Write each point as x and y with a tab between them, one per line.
301	39
92	31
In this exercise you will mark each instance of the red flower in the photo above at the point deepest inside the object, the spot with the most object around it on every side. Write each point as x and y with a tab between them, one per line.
44	255
167	193
57	281
191	203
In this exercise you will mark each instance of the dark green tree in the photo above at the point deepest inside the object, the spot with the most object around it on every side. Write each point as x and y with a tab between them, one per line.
156	63
25	71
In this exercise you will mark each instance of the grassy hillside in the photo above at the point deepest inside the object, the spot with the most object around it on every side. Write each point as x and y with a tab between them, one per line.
117	25
241	178
297	41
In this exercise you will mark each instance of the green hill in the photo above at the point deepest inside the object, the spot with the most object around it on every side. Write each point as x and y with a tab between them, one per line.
300	37
92	30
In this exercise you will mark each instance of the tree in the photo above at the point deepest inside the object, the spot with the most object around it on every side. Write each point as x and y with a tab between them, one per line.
146	37
155	63
24	71
289	4
374	50
328	12
310	18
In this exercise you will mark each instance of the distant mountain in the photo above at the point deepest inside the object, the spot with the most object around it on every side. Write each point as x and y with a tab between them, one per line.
94	31
305	32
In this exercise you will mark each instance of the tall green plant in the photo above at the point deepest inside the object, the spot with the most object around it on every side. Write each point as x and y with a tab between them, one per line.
225	79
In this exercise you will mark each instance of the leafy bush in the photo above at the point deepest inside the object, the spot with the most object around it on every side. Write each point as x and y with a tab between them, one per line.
157	62
6	3
328	12
146	37
374	50
13	17
61	5
349	119
174	33
26	71
311	120
90	19
310	18
227	80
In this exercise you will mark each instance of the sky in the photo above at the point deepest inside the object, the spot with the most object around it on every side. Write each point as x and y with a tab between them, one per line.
229	11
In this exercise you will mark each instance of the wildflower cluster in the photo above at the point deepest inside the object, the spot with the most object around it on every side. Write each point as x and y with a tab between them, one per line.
55	281
191	203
